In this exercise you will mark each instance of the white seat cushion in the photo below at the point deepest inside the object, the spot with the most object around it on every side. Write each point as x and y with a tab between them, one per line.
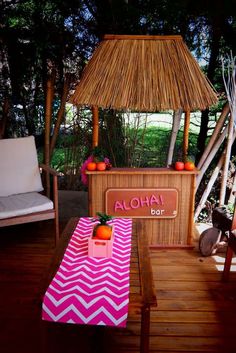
22	204
19	166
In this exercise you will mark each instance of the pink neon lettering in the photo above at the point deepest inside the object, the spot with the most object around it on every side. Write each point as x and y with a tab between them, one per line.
125	207
137	202
162	200
134	202
145	201
118	206
153	199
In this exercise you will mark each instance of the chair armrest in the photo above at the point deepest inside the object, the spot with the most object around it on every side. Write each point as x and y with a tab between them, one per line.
49	169
55	175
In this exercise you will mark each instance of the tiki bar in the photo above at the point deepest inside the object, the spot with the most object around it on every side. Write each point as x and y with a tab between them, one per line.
145	74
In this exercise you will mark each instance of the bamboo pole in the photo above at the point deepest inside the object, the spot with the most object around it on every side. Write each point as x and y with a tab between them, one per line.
212	181
175	128
226	162
95	126
186	134
210	156
215	135
230	88
209	186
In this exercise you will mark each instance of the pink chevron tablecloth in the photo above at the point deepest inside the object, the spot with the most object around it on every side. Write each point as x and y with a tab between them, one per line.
88	290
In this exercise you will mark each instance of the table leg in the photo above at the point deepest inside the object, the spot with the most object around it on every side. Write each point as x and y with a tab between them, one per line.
227	265
145	330
97	339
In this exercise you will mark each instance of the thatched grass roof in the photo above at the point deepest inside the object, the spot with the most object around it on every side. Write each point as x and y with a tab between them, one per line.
143	73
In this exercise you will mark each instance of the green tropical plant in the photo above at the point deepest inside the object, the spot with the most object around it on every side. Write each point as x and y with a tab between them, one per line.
103	218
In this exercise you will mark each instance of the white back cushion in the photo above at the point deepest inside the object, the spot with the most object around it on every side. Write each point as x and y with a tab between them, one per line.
19	172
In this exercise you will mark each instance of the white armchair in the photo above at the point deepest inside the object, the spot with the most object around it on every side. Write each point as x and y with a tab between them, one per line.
21	189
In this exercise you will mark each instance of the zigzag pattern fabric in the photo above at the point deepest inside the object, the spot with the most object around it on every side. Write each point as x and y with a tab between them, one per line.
89	290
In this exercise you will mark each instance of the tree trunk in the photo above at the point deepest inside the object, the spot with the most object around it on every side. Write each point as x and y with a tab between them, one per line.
175	128
201	141
29	120
60	114
217	22
5	117
113	137
48	119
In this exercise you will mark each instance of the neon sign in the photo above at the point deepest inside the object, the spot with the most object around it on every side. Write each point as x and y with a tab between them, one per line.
142	203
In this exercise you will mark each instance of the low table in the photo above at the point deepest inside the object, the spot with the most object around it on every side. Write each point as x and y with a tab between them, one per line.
142	293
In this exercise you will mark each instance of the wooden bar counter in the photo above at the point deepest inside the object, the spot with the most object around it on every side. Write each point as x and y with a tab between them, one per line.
163	229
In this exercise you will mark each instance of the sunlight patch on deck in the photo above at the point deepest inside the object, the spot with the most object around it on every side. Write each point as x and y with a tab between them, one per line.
220	263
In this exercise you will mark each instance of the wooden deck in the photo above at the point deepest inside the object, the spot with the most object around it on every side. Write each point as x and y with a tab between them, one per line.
196	311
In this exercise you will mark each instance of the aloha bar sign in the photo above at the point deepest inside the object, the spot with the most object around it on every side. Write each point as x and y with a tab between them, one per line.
142	203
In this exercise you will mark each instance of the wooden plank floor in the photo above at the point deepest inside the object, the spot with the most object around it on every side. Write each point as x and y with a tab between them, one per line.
196	311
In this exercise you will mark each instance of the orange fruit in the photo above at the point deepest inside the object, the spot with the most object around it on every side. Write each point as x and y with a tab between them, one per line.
101	166
103	232
189	166
91	166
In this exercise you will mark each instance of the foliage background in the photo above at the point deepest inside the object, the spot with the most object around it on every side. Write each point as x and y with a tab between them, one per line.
41	39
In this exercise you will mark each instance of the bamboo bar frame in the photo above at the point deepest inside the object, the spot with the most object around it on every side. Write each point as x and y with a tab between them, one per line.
95	126
186	134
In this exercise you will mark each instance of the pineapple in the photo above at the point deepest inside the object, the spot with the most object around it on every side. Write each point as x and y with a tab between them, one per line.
103	230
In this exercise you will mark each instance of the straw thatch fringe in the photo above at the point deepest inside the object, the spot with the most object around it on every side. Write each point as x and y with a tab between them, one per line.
144	75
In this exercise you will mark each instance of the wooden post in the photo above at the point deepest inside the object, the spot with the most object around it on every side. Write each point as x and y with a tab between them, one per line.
186	132
95	126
